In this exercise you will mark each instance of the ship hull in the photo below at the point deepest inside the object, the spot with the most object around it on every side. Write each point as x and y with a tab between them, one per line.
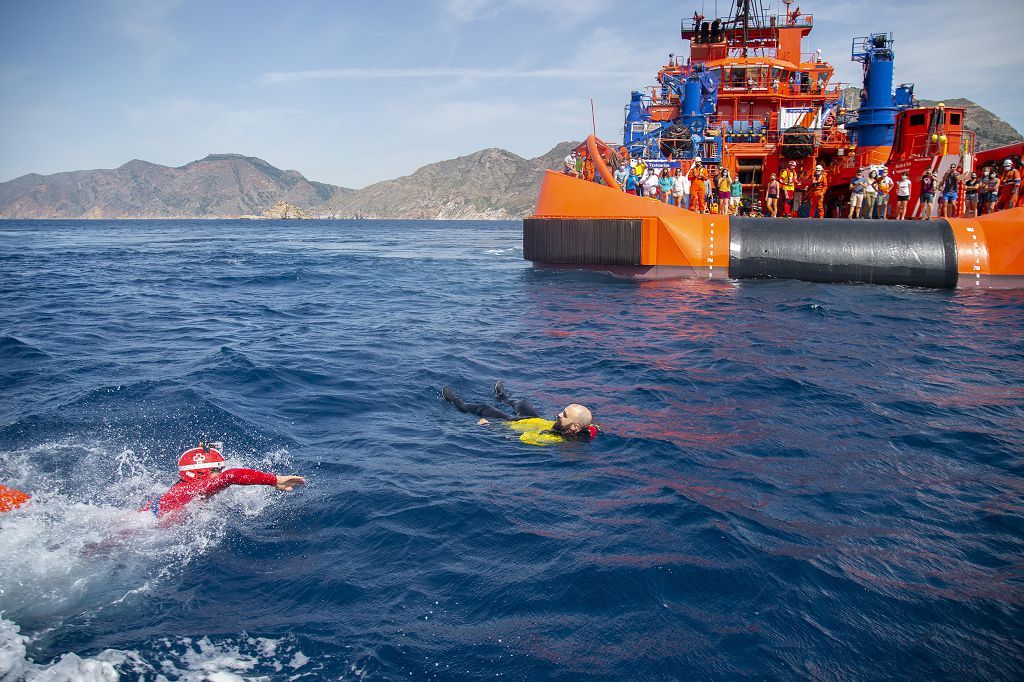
582	224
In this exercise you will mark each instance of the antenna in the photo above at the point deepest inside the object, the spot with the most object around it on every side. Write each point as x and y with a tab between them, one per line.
593	117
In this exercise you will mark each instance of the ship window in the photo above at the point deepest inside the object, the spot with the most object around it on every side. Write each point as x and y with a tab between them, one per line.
917	119
954	119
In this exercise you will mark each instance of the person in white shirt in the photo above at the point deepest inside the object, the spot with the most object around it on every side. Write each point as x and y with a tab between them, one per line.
902	196
570	164
650	183
681	189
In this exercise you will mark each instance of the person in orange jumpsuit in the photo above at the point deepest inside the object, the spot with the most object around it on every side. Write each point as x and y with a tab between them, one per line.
1009	186
818	184
697	175
588	169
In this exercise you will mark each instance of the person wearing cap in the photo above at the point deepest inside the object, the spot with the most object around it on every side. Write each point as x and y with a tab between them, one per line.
884	186
575	422
697	175
857	184
818	185
788	181
1009	186
203	475
949	193
929	184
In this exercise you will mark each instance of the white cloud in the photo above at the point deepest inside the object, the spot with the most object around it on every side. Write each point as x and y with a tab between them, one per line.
147	23
443	72
566	11
469	10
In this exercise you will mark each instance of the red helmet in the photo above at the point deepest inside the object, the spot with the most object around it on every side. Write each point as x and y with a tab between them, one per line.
197	462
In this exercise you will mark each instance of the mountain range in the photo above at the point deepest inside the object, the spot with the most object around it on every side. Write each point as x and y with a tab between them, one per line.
492	184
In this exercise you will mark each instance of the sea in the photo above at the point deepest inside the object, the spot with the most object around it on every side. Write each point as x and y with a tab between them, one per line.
792	480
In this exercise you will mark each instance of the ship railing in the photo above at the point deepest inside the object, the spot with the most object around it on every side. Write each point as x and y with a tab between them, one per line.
784	87
800	20
811	58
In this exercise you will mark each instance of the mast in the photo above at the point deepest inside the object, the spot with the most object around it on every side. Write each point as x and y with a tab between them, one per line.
745	4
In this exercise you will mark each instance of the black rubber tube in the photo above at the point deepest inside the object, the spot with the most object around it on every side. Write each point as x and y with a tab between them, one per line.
911	252
586	241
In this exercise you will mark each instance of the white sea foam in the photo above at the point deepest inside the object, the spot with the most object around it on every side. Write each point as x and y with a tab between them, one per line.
238	659
81	548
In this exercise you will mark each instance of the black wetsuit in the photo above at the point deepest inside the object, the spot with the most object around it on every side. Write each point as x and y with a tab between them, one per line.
522	409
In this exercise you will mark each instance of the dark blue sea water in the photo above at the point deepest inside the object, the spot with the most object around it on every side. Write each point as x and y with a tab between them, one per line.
794	480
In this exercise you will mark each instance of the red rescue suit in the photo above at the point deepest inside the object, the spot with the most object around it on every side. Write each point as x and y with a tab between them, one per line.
171	504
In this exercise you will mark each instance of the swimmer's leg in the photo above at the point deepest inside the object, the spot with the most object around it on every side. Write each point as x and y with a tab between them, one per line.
473	408
522	407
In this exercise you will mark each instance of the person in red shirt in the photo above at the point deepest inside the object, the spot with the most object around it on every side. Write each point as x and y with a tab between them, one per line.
203	475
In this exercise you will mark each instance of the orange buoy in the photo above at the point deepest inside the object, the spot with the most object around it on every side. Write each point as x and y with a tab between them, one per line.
12	499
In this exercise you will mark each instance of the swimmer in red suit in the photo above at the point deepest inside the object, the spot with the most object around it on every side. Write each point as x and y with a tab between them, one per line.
203	475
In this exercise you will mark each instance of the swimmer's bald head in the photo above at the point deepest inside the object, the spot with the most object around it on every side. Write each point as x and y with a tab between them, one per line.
573	418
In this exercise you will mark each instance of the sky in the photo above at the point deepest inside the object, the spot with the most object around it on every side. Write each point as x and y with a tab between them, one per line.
351	93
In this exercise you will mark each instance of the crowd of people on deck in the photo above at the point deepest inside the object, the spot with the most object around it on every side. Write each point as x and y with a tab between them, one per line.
704	190
713	189
939	197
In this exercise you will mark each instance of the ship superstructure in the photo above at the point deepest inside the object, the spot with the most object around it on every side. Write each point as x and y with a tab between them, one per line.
751	98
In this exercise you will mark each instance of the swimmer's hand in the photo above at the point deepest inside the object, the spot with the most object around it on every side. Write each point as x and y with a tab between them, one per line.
483	422
288	482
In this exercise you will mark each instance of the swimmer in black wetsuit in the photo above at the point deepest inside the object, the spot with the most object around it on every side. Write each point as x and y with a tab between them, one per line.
572	423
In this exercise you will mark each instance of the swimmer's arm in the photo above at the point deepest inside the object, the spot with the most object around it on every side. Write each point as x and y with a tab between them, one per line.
245	477
288	482
253	477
